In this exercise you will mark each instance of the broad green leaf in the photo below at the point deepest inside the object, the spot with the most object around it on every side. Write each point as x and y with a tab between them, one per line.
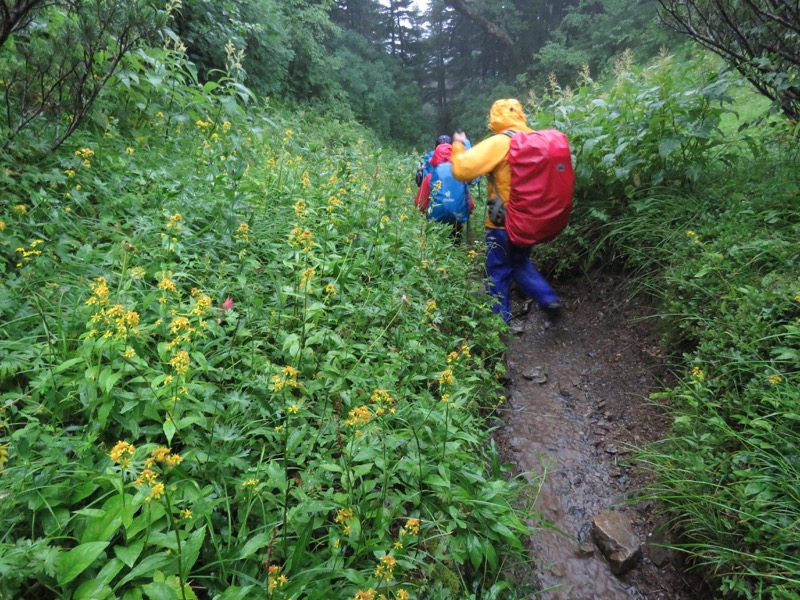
129	554
159	591
149	565
76	561
254	544
169	430
667	146
102	527
235	593
190	551
93	590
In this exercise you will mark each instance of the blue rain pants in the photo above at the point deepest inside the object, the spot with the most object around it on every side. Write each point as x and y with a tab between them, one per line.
505	262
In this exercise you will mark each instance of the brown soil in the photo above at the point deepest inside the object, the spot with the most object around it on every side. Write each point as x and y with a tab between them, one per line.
578	408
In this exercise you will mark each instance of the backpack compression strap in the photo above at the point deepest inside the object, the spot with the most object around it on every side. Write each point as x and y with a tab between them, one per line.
496	207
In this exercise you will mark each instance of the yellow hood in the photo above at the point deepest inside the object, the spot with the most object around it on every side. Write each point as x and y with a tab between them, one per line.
507	114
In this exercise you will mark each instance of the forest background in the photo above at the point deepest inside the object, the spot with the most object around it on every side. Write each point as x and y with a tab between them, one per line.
235	361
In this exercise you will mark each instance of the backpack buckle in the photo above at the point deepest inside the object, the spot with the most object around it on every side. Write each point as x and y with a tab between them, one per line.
497	213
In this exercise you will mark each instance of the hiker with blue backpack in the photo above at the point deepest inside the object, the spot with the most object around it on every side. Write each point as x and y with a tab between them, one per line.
425	166
441	196
531	180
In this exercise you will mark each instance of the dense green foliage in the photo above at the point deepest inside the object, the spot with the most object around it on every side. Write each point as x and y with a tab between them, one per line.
708	223
759	39
46	100
234	361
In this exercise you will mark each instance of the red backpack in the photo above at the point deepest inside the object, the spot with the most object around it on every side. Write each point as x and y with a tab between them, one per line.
542	182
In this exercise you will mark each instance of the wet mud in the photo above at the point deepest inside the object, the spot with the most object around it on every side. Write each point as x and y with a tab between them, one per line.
578	407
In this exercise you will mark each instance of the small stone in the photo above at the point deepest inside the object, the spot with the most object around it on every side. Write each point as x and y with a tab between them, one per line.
615	538
557	570
537	375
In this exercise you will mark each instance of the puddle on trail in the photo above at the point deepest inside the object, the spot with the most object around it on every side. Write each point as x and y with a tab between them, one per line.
573	388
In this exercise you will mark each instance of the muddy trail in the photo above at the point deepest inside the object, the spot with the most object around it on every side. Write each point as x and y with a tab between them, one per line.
578	404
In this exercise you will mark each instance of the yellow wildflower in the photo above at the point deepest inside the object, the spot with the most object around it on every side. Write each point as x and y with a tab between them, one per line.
243	233
179	324
180	362
411	527
147	477
275	579
430	306
157	456
3	456
343	515
20	209
447	377
358	417
380	395
167	285
385	570
156	492
175	222
300	209
122	453
307	275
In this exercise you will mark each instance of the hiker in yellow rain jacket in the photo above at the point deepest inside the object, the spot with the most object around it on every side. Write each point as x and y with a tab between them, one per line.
504	261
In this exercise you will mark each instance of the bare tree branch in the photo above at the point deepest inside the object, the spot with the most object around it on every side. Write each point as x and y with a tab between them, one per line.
466	8
759	38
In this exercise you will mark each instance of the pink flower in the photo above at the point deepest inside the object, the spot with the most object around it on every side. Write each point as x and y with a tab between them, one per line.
227	305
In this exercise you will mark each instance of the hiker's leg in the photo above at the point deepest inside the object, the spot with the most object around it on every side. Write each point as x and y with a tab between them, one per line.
529	279
458	228
498	270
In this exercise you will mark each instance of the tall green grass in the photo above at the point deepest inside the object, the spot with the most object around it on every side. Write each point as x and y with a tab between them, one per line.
706	217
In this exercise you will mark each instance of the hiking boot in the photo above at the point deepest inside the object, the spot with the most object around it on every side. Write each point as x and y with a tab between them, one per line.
552	310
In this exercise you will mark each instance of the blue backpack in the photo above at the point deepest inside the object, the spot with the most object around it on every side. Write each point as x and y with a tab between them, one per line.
449	198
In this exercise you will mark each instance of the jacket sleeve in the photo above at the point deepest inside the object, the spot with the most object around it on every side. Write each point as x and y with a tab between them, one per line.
479	160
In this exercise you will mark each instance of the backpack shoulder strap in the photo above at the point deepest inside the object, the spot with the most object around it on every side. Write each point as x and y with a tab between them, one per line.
510	133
